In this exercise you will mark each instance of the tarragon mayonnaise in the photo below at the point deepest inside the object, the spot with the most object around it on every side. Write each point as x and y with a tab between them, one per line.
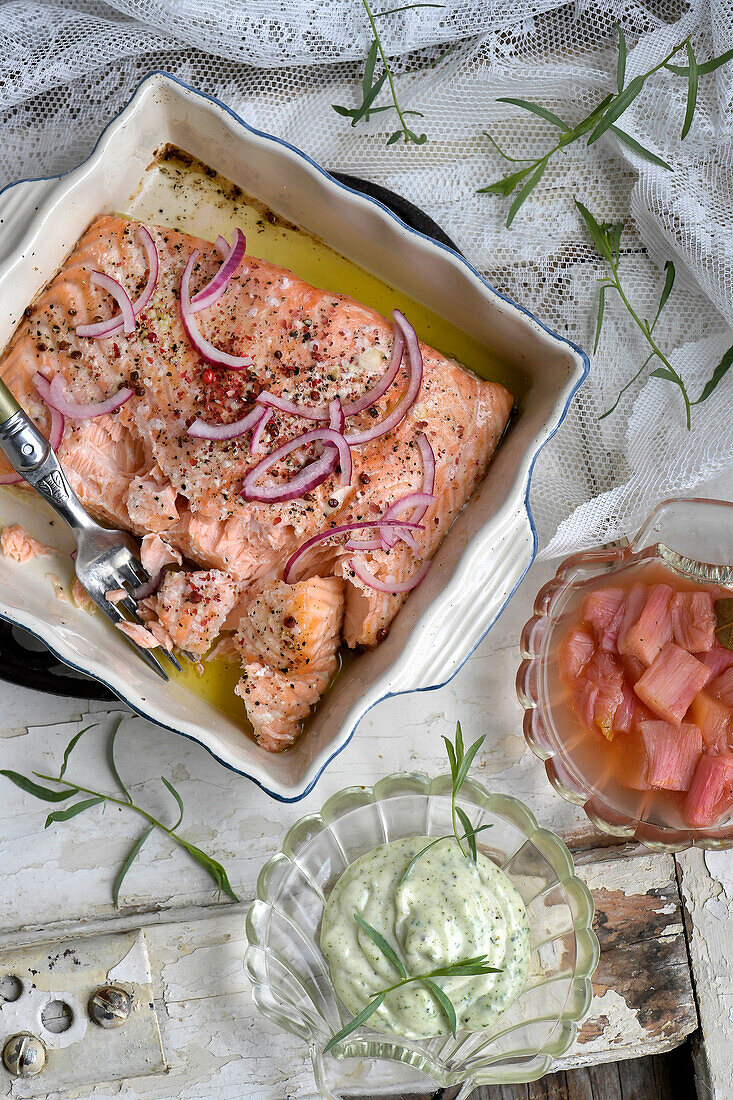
446	909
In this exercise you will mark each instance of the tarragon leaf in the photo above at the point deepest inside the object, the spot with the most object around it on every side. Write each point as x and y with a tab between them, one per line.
587	123
506	186
465	764
706	67
363	110
369	65
469	834
598	235
72	811
599	316
111	760
666	290
70	748
212	865
615	109
500	151
394	137
129	860
621	63
352	1025
405	7
637	147
36	789
387	950
444	1001
417	856
178	799
529	186
451	757
536	109
692	76
716	377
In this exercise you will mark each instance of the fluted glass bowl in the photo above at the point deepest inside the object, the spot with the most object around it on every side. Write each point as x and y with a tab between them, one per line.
692	537
290	976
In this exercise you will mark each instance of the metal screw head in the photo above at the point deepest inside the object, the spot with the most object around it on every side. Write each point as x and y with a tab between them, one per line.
110	1006
24	1054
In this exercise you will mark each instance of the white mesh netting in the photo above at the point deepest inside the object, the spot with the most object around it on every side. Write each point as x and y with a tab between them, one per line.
67	67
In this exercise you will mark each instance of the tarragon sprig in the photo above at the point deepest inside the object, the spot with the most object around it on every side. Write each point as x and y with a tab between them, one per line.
474	966
371	86
71	787
603	117
606	236
460	762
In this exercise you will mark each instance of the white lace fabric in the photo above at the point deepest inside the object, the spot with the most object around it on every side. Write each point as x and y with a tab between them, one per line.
68	66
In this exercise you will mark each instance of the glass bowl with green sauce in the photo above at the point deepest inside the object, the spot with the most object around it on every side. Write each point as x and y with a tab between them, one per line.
293	984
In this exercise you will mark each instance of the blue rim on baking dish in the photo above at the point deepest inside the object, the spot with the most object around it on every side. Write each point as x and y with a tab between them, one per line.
513	507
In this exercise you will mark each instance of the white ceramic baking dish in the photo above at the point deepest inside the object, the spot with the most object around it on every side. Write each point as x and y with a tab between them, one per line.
491	544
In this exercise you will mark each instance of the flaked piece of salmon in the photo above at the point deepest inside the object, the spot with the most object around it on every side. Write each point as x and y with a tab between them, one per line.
17	544
288	638
138	467
192	607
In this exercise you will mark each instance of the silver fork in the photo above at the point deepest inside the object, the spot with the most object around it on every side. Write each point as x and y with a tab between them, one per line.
105	559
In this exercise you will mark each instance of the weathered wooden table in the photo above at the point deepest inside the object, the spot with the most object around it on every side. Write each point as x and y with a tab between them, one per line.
665	924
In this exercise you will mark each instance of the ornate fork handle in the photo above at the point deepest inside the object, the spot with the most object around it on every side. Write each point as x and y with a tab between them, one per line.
30	455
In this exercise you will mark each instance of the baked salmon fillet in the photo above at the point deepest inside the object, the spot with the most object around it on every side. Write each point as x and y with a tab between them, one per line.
303	349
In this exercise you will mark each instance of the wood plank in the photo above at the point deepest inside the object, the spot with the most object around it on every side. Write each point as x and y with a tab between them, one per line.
706	882
664	1077
643	997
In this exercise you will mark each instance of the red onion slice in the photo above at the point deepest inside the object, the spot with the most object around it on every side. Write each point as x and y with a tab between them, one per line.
400	411
201	430
344	528
307	412
10	479
222	246
400	508
56	397
214	290
428	485
393	588
207	351
58	423
310	476
364	544
255	443
120	295
377	391
115	324
56	431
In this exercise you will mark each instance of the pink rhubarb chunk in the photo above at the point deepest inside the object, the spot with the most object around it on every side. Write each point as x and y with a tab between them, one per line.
575	652
672	754
711	791
624	715
647	637
603	692
718	659
671	683
722	687
693	621
630	761
632	610
713	719
603	612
